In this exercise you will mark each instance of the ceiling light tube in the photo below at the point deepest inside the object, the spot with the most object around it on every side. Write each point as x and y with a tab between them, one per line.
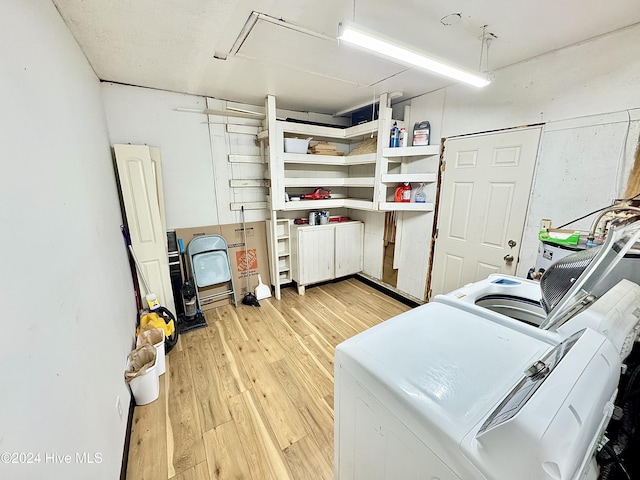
392	50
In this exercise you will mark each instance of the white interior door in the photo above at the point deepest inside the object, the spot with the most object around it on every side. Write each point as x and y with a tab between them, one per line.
139	177
156	162
484	197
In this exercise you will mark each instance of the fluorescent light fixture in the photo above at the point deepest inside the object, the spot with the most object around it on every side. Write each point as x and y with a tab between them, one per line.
386	48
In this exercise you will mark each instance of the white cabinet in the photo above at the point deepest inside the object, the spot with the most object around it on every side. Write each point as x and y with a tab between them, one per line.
315	255
349	239
325	252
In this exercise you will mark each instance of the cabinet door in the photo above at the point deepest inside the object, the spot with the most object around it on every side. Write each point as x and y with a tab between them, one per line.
349	248
315	254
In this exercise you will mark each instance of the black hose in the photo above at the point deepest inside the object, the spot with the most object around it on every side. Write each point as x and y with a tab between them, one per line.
629	386
596	211
607	448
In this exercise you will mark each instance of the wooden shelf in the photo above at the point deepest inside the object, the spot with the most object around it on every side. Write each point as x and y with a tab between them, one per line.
417	151
330	182
401	206
358	204
409	177
343	160
364	129
323	132
329	204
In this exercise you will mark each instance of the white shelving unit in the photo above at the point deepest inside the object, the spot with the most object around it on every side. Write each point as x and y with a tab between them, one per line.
279	242
361	182
397	159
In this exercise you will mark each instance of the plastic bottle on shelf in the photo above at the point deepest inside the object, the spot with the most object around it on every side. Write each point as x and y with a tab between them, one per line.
421	133
421	197
398	195
403	193
406	193
395	134
403	137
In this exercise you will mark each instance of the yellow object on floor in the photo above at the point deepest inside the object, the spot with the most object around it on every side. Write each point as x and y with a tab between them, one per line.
153	320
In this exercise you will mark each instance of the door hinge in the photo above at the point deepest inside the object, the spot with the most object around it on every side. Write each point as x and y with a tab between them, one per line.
443	166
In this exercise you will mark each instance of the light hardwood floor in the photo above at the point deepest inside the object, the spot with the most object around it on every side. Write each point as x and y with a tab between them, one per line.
251	396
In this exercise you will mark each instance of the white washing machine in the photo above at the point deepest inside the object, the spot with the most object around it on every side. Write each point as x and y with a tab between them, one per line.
570	285
440	393
517	298
454	390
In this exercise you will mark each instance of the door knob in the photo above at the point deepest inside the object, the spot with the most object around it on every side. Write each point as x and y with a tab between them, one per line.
508	258
511	243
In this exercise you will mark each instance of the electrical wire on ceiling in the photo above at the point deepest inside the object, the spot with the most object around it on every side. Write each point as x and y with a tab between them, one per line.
451	19
486	39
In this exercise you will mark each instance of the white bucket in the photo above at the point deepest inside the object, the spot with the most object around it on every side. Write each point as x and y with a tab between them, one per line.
161	364
146	387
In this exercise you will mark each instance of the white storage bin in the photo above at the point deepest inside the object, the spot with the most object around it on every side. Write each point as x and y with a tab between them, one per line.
296	145
145	386
160	355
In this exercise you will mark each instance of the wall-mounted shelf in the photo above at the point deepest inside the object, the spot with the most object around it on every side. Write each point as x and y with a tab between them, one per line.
410	207
409	177
403	156
416	151
329	182
329	204
343	160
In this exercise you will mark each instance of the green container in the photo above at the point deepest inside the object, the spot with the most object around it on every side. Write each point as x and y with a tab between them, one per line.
559	237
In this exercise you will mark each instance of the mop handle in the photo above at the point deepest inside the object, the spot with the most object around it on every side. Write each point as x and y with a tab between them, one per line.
135	260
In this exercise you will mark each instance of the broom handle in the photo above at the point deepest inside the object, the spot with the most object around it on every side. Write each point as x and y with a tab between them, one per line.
246	251
135	260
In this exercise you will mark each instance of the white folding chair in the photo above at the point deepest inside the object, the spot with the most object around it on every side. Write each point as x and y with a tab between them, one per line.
209	261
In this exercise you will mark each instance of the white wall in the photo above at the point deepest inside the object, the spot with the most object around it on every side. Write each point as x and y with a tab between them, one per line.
195	150
586	95
68	309
143	116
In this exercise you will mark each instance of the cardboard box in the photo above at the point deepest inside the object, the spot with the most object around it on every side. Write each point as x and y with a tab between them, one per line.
258	259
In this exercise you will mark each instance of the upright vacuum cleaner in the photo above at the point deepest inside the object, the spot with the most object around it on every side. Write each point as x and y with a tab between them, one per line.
193	317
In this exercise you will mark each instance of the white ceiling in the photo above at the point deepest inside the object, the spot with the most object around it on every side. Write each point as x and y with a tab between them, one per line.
170	44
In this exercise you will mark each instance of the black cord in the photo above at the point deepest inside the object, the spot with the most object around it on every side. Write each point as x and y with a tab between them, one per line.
607	448
596	211
630	383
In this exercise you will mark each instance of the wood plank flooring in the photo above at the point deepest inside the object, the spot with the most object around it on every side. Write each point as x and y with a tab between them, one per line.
251	396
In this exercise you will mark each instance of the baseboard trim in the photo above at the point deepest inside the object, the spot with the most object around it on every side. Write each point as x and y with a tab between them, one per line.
127	441
387	289
379	285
